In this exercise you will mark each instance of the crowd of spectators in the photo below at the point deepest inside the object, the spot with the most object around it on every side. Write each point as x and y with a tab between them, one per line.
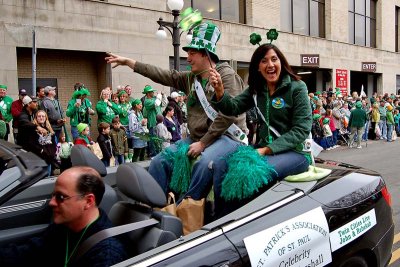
348	120
129	129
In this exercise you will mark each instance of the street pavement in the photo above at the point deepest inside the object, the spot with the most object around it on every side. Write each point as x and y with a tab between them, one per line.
383	157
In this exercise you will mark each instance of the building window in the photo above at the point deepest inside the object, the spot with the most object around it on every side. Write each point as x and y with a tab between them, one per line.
228	10
362	22
396	28
304	17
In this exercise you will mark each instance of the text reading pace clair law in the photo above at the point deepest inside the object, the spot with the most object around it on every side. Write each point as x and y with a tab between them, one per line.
352	230
300	241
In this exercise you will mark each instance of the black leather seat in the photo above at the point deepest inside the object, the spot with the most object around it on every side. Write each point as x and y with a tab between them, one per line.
143	194
82	156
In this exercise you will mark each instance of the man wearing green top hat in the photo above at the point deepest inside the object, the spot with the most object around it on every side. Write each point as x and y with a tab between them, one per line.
79	110
5	108
209	137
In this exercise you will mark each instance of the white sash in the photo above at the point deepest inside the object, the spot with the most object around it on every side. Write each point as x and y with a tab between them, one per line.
234	130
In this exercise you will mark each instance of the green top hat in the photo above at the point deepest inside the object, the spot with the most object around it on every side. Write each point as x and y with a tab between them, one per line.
82	91
3	86
205	36
148	89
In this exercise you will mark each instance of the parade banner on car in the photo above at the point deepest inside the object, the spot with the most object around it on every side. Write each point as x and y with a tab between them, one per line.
352	230
300	241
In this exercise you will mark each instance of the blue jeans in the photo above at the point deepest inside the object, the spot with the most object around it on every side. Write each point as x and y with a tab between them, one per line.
119	159
366	129
389	132
152	146
106	162
74	133
383	128
203	171
285	164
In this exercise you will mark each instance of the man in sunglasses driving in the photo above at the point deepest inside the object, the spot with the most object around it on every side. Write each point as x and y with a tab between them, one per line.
77	194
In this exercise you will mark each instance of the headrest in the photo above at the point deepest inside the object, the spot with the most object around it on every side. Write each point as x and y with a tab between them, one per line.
136	183
83	156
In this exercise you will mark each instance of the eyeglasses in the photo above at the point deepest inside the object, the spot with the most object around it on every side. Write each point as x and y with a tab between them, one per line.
60	198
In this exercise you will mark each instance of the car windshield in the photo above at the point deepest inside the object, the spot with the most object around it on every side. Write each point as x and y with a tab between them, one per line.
9	173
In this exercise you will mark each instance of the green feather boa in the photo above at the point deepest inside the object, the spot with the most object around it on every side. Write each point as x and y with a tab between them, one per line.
248	171
182	167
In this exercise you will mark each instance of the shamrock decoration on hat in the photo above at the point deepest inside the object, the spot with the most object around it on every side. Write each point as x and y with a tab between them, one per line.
190	18
205	36
272	35
255	38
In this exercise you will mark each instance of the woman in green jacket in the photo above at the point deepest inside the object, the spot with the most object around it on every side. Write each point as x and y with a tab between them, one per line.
106	109
282	104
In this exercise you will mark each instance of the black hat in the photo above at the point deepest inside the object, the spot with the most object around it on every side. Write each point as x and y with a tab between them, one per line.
22	92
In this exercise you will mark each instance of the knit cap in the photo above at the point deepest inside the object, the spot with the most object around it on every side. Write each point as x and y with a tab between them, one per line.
136	101
316	116
81	127
326	121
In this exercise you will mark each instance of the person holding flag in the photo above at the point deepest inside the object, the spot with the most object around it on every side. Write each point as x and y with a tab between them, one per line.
213	135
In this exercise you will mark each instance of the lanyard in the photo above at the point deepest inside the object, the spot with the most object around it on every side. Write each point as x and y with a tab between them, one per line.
68	257
268	138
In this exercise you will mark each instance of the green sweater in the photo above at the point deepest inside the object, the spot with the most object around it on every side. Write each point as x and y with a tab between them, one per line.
105	112
5	105
124	112
150	111
289	113
79	114
389	118
358	118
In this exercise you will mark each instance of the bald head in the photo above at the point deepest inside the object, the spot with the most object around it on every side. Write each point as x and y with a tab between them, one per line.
85	180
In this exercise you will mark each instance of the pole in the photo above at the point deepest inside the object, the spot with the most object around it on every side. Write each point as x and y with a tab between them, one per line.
176	38
33	62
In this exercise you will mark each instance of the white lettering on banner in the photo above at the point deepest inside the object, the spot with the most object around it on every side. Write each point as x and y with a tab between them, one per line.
352	230
300	241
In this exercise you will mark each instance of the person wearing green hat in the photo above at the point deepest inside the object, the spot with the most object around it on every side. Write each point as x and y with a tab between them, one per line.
125	106
83	135
327	140
316	129
137	127
390	123
5	108
79	109
358	118
151	108
106	109
208	132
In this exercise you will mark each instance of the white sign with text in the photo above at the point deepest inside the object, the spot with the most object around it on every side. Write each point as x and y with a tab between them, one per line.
352	230
300	241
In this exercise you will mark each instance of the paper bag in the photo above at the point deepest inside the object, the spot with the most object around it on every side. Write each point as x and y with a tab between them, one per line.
191	213
171	207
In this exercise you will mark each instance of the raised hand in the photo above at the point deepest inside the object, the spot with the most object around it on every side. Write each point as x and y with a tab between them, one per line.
119	60
216	82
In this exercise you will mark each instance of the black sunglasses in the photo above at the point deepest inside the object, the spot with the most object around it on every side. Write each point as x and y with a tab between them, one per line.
60	198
